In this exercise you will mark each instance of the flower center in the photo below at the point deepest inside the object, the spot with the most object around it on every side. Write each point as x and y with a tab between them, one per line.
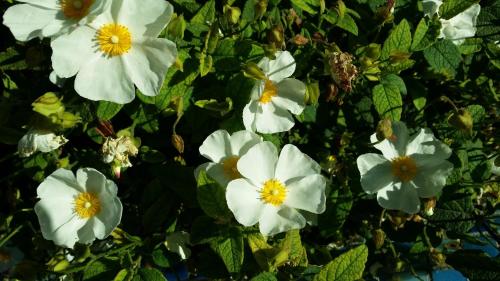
75	9
229	167
87	205
114	39
270	91
273	192
404	168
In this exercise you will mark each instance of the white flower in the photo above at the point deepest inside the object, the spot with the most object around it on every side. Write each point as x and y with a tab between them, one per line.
408	169
272	98
77	209
39	140
119	150
224	151
494	168
176	242
116	50
274	190
47	18
458	27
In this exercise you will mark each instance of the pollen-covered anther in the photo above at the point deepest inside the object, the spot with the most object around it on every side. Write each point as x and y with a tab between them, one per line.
404	168
75	9
87	205
273	192
114	39
270	91
229	167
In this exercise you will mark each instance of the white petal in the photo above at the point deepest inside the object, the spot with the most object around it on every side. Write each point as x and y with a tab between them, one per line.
176	242
291	95
259	163
109	217
56	80
50	4
26	145
242	141
60	184
425	143
430	179
375	172
243	200
249	116
26	21
280	68
105	78
48	141
147	63
91	180
292	163
431	7
270	119
400	196
396	145
216	172
216	146
461	26
307	194
145	17
86	233
274	220
72	50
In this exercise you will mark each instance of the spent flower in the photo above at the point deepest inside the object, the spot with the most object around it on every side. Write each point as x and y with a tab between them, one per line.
39	140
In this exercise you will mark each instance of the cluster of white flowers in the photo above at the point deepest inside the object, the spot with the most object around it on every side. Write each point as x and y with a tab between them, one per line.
109	45
459	27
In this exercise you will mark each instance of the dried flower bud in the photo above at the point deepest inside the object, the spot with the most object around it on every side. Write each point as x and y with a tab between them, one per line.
378	238
178	143
300	40
342	70
276	37
118	151
384	129
462	120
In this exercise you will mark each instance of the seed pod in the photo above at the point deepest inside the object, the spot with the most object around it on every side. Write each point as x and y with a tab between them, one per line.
378	238
252	70
178	143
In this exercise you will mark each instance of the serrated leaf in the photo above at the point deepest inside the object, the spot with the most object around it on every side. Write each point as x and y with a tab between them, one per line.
107	110
451	8
398	41
425	35
346	267
205	14
454	214
388	101
265	276
212	197
149	274
347	23
307	5
443	56
230	249
103	269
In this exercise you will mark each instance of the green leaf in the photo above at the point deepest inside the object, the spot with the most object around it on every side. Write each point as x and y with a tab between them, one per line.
107	110
398	41
11	59
487	22
347	23
346	267
123	275
425	35
393	79
230	249
265	276
205	14
103	269
149	274
443	57
387	100
470	46
338	207
309	6
451	8
454	214
212	197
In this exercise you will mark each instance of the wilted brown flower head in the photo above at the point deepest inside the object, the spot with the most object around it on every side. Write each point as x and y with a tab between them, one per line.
343	70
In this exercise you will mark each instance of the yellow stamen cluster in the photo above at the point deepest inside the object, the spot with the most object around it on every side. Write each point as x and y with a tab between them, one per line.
75	9
229	167
87	205
114	39
273	192
270	91
404	168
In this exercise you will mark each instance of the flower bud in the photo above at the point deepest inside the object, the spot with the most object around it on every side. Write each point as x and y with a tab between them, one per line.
48	104
276	37
462	120
429	205
260	8
384	129
300	40
69	120
373	51
232	14
252	70
177	26
378	238
178	143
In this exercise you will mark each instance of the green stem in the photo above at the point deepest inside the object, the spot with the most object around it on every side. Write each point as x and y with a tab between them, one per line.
7	238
